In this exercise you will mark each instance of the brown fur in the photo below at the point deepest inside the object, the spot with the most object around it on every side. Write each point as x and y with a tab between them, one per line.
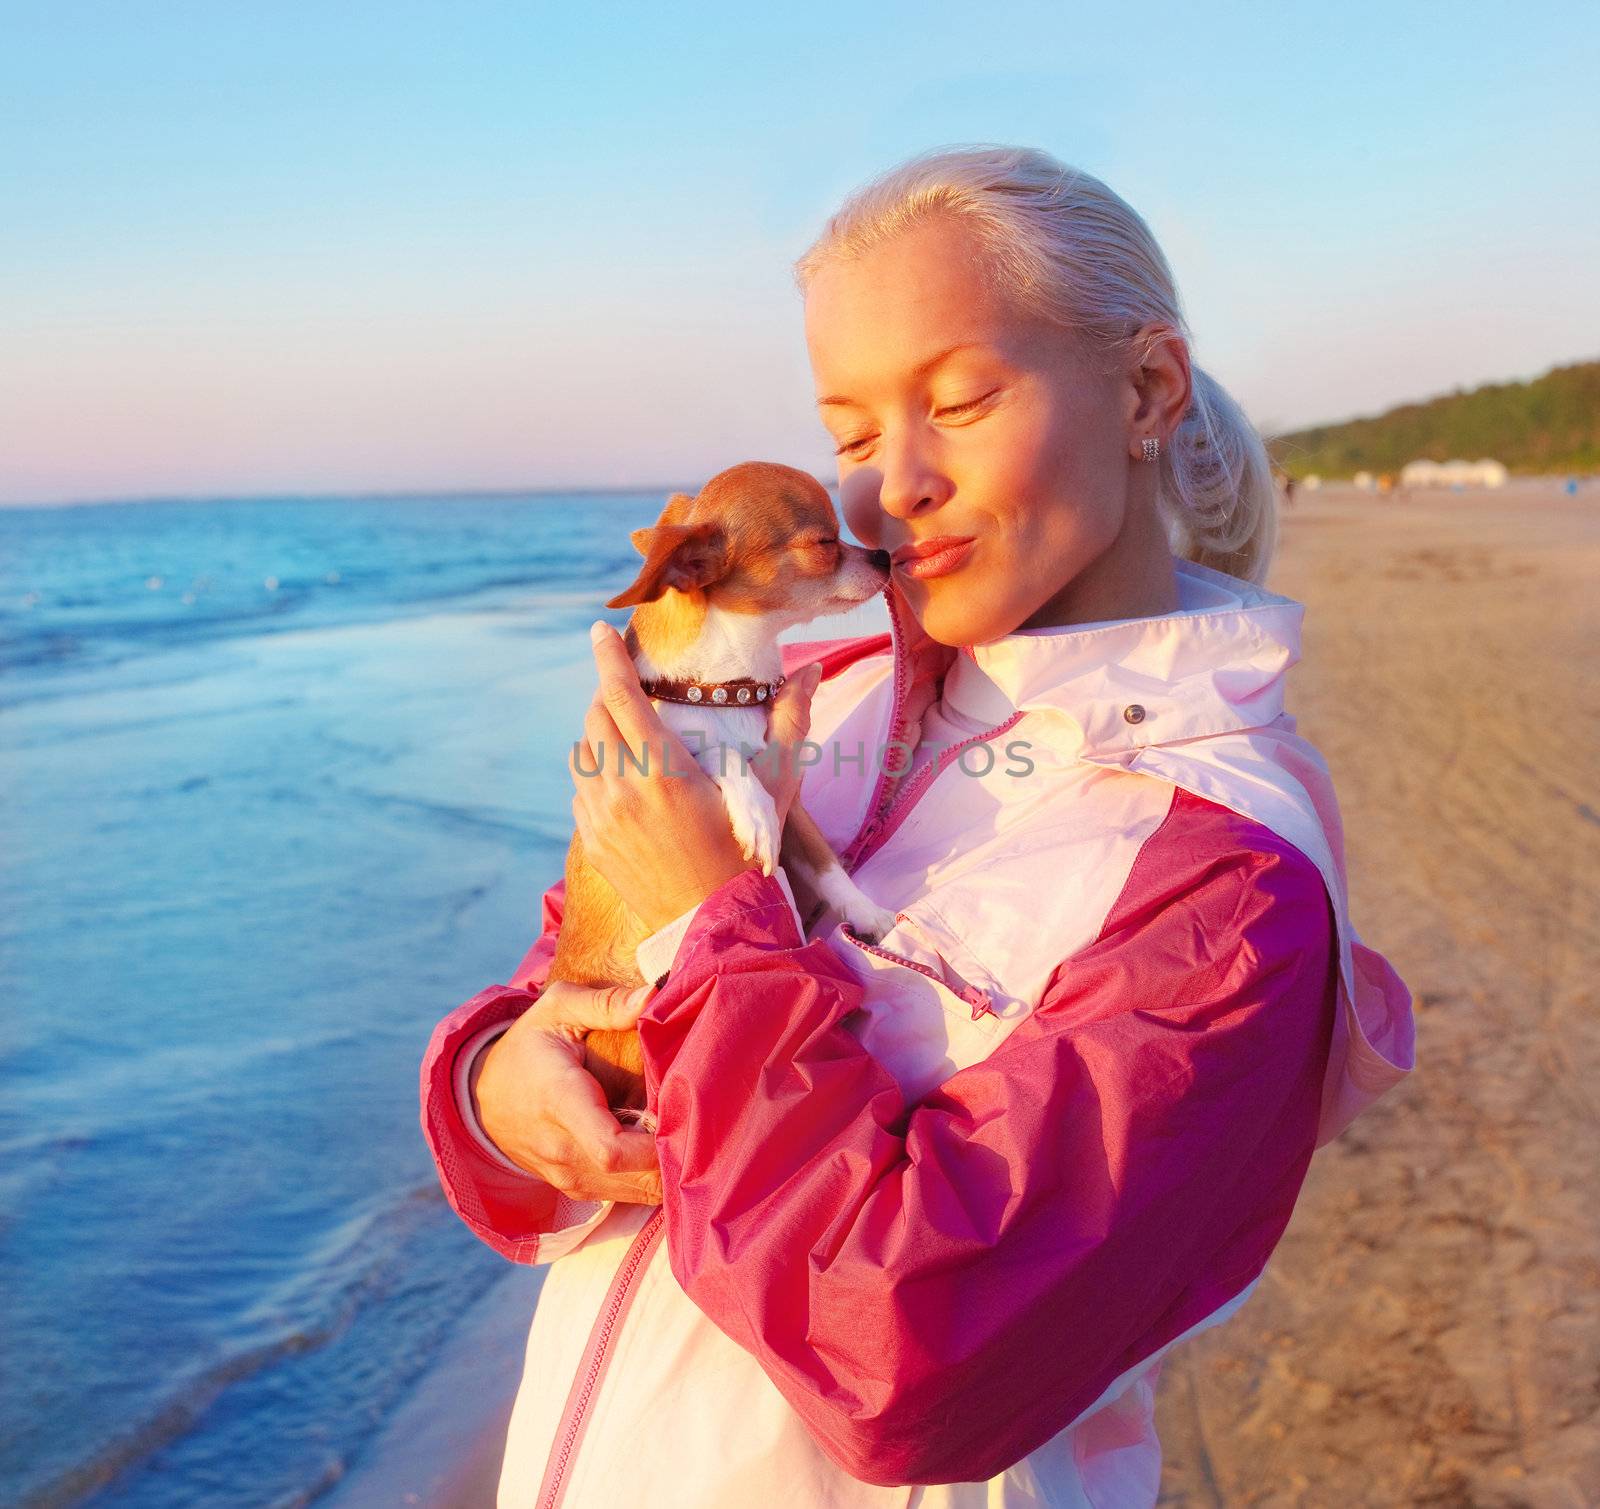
669	625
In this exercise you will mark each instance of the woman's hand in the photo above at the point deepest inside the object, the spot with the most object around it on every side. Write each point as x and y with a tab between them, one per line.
548	1114
661	835
780	766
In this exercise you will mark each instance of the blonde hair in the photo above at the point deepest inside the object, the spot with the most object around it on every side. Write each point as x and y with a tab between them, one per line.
1062	245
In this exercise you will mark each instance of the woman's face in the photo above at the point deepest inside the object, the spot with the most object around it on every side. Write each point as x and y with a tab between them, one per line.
954	417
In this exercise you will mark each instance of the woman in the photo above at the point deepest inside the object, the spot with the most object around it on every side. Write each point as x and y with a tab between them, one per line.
933	1210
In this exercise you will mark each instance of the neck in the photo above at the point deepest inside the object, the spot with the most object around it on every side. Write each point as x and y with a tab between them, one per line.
700	642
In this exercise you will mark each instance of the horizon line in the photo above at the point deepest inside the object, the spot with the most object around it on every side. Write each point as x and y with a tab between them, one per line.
360	494
547	490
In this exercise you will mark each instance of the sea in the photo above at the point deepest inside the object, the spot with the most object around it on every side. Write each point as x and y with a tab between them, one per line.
283	780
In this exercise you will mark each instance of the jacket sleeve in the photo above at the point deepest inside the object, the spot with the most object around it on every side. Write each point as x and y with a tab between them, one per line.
654	955
515	1212
938	1288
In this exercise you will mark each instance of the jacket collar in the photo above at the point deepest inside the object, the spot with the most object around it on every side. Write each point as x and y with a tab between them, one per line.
1214	665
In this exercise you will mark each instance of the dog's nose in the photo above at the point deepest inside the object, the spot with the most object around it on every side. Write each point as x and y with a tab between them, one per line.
881	559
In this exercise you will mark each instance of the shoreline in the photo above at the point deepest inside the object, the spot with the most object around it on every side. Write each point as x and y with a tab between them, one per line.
442	1446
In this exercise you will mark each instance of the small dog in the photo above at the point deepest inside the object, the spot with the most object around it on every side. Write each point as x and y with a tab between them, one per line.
756	552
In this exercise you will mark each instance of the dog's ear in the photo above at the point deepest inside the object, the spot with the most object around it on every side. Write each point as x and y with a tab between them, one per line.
684	557
677	509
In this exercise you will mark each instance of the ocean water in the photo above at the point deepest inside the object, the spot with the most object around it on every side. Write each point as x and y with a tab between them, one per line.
282	781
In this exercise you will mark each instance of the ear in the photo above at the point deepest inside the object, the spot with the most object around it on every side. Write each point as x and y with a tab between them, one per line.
1162	384
676	511
682	557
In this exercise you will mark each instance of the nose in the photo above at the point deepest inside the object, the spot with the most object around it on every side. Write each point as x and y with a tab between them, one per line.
881	559
910	485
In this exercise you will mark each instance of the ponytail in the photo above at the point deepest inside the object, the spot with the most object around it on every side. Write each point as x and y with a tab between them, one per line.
1216	486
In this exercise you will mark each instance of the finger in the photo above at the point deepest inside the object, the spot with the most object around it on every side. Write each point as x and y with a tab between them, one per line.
635	1171
642	1188
633	1152
583	763
787	727
612	1162
790	718
632	713
596	1007
600	736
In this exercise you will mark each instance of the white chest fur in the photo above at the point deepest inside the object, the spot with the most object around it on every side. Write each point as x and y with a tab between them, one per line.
723	742
719	736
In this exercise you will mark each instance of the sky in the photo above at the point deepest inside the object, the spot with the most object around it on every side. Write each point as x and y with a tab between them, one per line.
265	246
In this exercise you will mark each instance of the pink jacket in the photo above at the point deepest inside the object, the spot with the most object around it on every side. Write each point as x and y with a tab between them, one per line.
936	1207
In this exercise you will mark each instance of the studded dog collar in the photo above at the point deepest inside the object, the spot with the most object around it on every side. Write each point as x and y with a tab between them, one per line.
742	691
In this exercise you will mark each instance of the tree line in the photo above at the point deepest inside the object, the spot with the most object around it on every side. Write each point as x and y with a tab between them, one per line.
1551	424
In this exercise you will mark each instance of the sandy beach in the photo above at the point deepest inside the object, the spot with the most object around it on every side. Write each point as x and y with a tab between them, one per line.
1429	1330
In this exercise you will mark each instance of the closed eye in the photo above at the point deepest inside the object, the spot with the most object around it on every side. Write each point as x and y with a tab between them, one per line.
968	406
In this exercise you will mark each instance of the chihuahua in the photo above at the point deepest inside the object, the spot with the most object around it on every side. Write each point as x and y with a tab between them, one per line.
756	552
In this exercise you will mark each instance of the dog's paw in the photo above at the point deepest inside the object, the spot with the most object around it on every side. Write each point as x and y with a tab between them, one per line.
865	918
868	920
755	822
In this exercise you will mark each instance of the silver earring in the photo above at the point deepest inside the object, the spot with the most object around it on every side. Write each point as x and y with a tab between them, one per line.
1152	448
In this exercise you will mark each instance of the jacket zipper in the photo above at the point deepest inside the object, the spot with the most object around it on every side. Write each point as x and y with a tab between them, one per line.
981	1002
596	1355
879	831
880	827
850	858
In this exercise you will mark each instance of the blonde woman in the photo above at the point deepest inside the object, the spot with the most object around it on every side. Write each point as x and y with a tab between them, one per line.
921	1218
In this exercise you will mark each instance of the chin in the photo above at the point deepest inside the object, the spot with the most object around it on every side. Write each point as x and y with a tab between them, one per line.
954	623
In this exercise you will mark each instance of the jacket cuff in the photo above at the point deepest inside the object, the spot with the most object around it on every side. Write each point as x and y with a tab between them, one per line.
752	906
516	1213
655	954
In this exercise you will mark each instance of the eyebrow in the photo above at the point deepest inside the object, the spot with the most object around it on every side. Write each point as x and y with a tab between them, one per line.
920	370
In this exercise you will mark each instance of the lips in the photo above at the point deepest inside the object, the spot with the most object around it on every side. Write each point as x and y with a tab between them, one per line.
933	557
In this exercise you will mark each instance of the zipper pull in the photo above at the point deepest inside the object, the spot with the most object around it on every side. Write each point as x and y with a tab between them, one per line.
981	1002
865	837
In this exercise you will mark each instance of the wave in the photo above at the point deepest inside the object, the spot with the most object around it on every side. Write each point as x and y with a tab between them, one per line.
362	1264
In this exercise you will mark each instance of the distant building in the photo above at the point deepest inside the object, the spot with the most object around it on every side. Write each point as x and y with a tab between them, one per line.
1426	473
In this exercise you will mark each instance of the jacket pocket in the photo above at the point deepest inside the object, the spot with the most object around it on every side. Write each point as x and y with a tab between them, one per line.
930	1006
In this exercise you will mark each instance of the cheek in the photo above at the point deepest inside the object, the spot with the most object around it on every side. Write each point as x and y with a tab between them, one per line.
858	502
1058	468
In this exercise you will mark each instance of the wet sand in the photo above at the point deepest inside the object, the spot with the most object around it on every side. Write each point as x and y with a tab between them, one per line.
1429	1330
